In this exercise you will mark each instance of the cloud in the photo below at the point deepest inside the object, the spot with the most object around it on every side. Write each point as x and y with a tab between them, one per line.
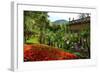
65	16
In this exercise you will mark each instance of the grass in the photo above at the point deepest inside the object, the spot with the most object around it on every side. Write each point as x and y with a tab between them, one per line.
33	40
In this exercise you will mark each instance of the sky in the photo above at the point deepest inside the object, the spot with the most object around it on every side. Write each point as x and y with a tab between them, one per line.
65	16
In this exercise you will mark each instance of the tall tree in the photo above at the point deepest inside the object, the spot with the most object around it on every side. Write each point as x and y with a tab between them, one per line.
40	21
83	15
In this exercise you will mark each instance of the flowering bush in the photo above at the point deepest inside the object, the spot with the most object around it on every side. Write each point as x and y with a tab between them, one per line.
37	52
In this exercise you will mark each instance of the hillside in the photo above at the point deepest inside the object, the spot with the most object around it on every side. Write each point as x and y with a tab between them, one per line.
62	21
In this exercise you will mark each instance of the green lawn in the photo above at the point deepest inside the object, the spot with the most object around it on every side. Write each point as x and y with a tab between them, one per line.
33	40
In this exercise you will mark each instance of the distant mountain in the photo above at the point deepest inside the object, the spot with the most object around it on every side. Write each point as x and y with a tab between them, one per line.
62	21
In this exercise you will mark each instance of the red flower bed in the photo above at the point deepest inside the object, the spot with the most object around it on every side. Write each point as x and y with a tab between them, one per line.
37	52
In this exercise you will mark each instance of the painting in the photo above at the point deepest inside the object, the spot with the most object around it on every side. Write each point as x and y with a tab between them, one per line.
56	36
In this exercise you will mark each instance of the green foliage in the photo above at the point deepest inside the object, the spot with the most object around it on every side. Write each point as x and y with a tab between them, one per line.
38	29
33	22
